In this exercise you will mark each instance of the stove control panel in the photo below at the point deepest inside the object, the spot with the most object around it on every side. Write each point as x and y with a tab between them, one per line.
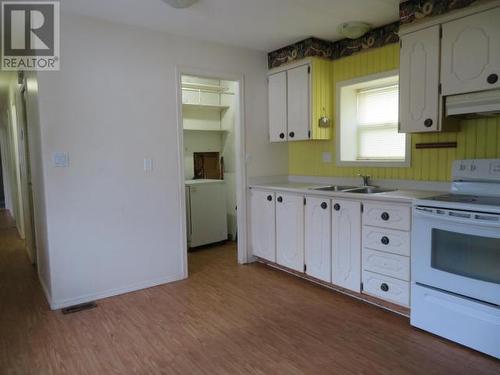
477	169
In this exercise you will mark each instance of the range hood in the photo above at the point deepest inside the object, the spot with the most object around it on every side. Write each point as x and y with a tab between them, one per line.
474	105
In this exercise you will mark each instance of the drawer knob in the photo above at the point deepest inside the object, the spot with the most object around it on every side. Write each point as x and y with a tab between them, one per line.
336	207
428	123
324	205
280	199
269	198
282	135
385	240
384	287
385	216
291	134
492	79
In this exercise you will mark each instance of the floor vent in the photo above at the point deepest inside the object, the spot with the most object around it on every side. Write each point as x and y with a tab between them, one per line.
80	307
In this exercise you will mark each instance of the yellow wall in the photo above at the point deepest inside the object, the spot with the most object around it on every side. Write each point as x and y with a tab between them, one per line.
476	139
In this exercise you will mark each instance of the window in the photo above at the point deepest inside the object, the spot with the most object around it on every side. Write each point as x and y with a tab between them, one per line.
368	118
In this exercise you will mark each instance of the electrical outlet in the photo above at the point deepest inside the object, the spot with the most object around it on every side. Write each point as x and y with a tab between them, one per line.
327	157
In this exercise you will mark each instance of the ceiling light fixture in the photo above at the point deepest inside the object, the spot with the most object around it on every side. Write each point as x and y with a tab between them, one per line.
354	29
180	4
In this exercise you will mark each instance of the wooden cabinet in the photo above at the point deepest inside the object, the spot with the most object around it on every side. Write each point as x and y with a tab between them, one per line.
471	53
419	81
318	235
262	224
299	98
346	244
290	231
277	86
387	215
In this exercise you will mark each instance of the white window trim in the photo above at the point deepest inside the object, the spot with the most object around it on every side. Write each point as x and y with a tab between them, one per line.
366	163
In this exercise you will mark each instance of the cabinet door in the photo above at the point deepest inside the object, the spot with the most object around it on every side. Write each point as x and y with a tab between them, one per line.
290	231
263	224
470	53
299	103
419	81
318	234
346	244
277	107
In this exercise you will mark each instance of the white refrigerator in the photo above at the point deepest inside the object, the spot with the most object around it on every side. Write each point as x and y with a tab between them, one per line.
206	212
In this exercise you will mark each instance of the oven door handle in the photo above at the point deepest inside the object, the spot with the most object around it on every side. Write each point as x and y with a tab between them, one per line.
476	218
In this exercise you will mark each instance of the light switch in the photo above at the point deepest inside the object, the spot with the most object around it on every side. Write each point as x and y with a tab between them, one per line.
327	157
148	165
61	159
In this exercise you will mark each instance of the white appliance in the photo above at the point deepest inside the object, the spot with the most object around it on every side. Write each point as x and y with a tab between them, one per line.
456	258
206	212
472	105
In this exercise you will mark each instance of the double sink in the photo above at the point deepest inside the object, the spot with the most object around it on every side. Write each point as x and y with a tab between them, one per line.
353	189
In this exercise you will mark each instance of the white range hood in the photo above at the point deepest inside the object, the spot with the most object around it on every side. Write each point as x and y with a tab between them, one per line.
473	105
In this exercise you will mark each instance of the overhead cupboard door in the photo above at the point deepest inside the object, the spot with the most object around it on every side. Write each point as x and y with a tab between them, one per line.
277	107
299	103
471	53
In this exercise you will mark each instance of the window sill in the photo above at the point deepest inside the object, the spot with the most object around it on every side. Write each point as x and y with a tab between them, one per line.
374	163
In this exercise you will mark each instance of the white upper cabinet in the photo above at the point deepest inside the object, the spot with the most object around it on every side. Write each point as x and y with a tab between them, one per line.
471	53
290	231
299	98
318	238
346	244
277	107
262	224
419	81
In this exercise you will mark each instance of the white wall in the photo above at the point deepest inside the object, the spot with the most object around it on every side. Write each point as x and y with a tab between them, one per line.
111	226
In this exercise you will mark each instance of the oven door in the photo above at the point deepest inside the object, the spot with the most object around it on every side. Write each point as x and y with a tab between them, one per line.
457	251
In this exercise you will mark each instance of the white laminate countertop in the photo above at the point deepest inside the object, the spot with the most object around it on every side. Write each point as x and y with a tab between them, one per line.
203	181
308	189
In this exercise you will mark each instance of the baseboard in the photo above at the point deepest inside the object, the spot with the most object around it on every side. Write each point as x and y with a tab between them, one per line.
48	296
55	305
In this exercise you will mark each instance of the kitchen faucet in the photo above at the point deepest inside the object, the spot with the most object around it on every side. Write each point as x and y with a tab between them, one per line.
366	179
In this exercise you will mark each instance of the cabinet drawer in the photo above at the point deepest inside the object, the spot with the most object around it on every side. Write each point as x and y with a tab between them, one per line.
387	288
386	264
391	241
387	215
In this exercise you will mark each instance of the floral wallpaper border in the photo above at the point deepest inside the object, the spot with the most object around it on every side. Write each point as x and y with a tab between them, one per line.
409	11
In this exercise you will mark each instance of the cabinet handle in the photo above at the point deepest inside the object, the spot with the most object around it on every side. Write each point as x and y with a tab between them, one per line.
384	287
280	199
324	205
336	206
282	135
385	240
269	198
428	123
492	79
385	216
292	134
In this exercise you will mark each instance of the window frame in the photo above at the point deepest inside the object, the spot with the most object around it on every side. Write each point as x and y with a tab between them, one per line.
357	83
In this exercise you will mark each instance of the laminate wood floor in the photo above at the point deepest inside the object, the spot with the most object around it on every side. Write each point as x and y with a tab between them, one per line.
225	319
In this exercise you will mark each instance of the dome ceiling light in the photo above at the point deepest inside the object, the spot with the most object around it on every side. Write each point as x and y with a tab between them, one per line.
354	29
180	4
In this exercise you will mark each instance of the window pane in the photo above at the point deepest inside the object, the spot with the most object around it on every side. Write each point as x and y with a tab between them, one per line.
381	143
378	106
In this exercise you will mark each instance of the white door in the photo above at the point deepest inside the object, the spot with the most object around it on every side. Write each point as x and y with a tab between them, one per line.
277	107
299	100
470	53
346	244
419	81
290	231
263	224
318	238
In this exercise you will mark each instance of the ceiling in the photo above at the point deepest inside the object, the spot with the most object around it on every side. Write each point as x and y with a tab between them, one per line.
262	25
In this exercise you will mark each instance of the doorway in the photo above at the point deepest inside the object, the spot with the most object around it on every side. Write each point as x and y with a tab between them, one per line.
212	169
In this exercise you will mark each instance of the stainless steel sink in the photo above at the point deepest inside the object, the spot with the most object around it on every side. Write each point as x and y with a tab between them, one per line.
370	190
334	188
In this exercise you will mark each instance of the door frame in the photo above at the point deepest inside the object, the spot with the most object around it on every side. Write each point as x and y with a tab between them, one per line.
240	149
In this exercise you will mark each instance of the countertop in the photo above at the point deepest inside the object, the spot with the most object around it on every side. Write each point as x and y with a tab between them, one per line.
202	181
307	189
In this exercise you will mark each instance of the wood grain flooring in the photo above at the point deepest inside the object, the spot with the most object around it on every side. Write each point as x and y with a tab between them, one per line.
225	319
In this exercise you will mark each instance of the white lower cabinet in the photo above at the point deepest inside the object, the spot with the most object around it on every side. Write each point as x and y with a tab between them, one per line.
263	224
290	231
385	287
346	244
318	238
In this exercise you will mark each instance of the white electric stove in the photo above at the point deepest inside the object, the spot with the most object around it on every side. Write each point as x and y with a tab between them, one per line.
456	258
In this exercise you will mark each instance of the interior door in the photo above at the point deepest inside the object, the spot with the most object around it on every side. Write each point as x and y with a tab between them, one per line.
277	107
318	235
419	81
470	53
346	244
290	231
299	103
263	224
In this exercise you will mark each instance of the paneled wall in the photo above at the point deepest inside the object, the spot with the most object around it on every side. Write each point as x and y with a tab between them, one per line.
476	138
